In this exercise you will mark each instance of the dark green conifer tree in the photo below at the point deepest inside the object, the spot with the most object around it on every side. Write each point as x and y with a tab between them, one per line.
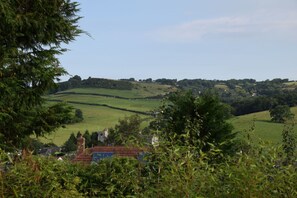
31	35
70	144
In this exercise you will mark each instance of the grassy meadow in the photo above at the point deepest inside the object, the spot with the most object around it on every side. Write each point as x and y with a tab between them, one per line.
140	90
98	118
95	119
131	104
264	128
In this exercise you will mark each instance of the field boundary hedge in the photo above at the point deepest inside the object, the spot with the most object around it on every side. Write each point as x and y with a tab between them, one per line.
107	95
103	105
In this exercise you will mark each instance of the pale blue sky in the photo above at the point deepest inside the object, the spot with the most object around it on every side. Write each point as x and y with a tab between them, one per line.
209	39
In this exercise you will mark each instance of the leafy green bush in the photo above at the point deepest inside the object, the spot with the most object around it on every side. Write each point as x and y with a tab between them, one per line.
40	177
169	170
115	177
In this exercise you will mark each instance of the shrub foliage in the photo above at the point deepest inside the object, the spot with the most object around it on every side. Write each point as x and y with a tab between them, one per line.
168	170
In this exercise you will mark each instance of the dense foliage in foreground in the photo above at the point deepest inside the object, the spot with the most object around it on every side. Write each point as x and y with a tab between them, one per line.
168	171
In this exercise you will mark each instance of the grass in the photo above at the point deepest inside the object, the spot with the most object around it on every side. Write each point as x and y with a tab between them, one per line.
290	85
140	90
139	104
221	86
264	128
95	119
99	118
152	89
293	83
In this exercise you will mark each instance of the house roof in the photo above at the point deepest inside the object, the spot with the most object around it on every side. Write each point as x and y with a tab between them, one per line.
119	151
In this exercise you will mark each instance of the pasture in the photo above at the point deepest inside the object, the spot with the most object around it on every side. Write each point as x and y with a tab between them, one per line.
100	117
144	105
263	127
95	119
140	90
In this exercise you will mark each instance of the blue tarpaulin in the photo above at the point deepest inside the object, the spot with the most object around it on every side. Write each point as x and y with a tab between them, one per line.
101	155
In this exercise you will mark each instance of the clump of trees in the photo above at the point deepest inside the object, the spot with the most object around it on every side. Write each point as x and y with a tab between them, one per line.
70	144
281	113
77	82
246	95
126	131
78	115
195	120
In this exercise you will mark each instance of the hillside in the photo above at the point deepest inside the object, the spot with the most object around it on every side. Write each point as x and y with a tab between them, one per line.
102	108
264	128
244	95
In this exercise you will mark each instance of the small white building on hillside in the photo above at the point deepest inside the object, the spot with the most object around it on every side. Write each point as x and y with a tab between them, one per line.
102	135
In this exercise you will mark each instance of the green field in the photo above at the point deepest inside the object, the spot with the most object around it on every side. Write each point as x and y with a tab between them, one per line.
131	104
140	90
98	117
264	129
95	119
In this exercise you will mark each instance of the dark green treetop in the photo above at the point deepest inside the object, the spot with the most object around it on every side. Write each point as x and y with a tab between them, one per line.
187	119
31	35
126	131
281	113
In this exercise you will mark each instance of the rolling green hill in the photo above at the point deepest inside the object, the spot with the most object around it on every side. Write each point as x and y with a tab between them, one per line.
95	118
139	90
264	129
102	108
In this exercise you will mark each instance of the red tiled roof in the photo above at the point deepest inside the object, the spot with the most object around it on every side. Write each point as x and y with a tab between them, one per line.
120	151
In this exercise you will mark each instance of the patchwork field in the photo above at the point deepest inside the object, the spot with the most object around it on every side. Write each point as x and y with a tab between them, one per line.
100	117
95	118
140	90
144	105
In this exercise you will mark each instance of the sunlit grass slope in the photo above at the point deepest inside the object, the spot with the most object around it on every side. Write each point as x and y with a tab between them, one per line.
98	117
95	119
140	90
131	104
264	128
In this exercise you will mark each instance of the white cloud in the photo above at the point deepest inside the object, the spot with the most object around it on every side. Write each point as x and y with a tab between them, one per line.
260	24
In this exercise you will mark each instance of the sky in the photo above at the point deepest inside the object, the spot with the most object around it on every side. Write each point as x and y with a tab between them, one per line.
185	39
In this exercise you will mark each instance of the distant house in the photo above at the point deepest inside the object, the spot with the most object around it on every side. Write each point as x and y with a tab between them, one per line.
102	135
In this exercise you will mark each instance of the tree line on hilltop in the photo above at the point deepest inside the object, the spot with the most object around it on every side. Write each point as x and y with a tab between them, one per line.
77	82
244	96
